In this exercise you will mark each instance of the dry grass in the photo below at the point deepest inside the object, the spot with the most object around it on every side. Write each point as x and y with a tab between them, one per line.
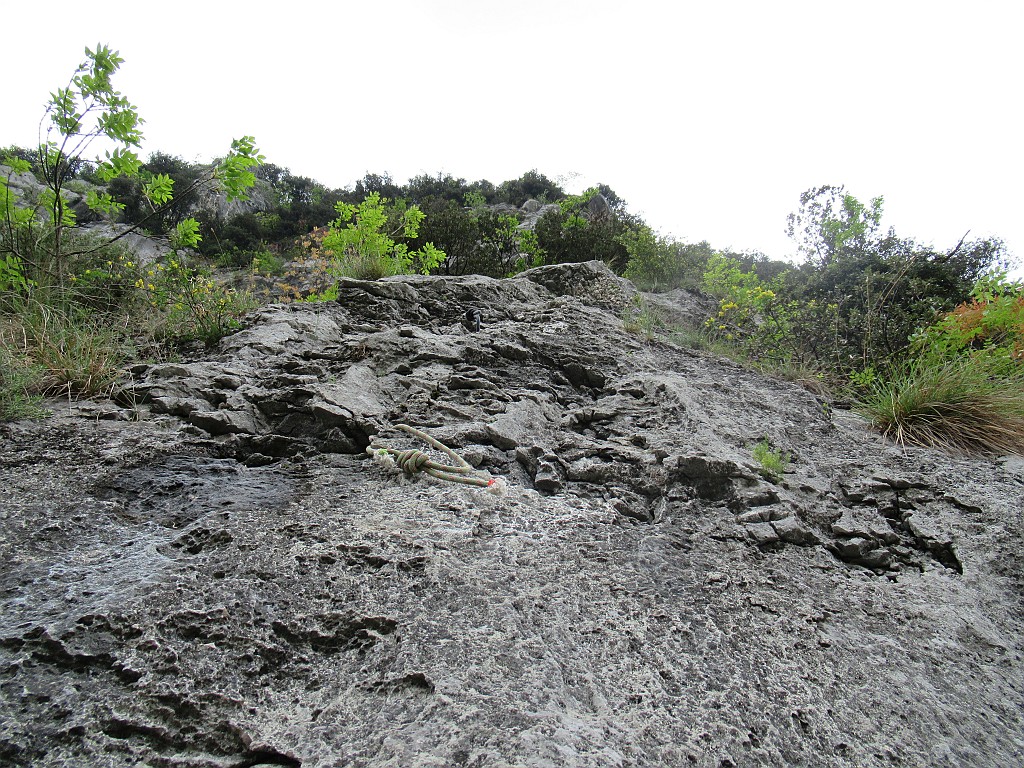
956	406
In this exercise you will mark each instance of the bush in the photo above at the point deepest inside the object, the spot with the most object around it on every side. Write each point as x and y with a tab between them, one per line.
757	318
476	239
195	306
266	262
658	263
423	188
573	234
989	328
368	240
454	229
882	287
531	185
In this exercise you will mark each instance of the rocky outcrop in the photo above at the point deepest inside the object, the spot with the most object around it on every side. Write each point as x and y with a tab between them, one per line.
210	199
212	572
26	191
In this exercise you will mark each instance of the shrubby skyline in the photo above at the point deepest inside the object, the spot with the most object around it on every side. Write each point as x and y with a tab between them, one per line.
709	122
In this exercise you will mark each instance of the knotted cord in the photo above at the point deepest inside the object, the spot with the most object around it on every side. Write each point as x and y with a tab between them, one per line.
412	461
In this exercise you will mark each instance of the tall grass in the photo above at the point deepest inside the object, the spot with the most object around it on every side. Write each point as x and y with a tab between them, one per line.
19	380
74	353
955	405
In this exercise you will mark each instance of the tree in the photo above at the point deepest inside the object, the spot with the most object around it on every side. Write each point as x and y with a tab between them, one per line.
138	208
380	183
830	220
531	185
36	245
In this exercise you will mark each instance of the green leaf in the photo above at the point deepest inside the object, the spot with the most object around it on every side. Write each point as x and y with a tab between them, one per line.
120	162
12	275
234	169
16	164
121	124
186	235
159	189
103	202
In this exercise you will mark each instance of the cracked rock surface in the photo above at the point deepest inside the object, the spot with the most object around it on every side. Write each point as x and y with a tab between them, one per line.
212	572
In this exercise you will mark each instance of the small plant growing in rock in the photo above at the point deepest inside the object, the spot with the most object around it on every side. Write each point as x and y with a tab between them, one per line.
773	461
639	319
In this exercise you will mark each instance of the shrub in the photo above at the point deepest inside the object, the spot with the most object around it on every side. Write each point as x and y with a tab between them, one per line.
573	233
420	189
989	328
108	279
659	263
531	185
265	262
367	240
196	306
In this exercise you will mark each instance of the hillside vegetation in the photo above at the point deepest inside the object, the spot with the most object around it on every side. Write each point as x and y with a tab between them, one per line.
928	343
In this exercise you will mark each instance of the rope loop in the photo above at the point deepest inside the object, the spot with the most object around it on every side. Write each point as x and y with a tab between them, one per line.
412	461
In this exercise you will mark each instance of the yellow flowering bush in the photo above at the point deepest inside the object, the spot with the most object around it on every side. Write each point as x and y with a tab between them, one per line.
107	279
753	315
196	306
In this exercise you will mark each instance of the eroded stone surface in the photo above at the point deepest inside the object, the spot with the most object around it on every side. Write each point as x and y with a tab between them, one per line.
215	573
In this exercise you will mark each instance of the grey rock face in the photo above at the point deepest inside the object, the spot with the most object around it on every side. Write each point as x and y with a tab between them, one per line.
146	249
215	574
27	192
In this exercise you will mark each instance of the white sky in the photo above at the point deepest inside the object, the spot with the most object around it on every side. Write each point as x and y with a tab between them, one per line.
708	118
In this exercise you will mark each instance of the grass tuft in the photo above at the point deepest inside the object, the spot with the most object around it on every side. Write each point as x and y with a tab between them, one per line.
77	355
956	406
19	381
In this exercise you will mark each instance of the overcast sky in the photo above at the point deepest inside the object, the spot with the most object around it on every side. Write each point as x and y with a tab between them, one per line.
708	118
